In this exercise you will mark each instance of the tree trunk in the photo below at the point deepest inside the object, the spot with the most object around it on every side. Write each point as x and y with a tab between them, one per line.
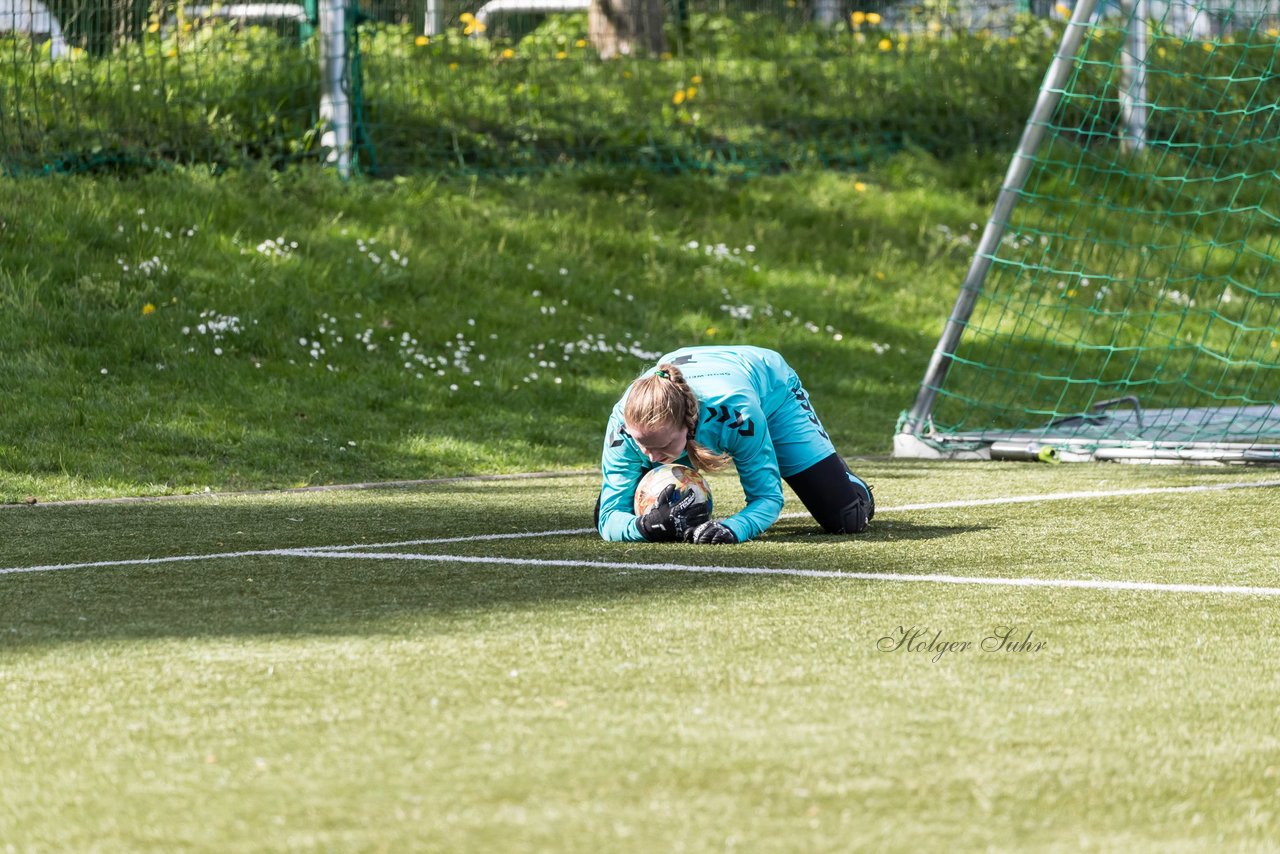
626	27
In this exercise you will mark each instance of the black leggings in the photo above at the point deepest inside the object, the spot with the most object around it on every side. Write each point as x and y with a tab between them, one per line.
830	494
833	496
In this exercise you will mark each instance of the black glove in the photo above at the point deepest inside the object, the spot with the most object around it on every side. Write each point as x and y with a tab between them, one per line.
673	517
713	534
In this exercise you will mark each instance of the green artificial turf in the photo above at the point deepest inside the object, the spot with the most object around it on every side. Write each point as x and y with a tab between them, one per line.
281	702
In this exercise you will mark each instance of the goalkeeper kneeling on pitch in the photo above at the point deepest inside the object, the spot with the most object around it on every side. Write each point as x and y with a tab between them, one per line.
704	407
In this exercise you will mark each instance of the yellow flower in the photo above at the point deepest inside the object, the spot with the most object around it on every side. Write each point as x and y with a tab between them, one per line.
711	330
466	17
1273	32
859	186
885	44
148	309
696	79
678	97
1063	9
1208	47
858	18
453	66
690	92
580	43
154	28
873	18
508	53
626	75
561	54
422	41
1160	52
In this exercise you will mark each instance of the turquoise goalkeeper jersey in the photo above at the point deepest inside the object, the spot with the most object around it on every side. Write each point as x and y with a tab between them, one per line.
753	408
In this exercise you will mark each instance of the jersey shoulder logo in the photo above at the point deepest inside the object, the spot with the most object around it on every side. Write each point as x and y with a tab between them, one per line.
616	437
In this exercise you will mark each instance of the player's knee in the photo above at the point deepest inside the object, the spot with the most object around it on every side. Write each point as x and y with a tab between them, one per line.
854	516
853	519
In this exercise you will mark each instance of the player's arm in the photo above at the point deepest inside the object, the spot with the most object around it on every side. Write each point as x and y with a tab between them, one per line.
757	464
622	466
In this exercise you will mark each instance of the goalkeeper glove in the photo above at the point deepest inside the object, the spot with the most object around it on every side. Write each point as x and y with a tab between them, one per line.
672	517
712	533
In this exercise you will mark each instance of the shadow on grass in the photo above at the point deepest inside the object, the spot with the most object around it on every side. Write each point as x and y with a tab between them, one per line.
879	531
291	597
241	595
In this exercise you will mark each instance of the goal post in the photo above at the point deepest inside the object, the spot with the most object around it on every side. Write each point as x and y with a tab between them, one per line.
1123	302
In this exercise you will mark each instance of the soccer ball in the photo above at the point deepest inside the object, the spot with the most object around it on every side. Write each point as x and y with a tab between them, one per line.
658	479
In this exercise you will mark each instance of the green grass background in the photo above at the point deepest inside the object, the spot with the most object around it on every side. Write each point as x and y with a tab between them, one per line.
525	304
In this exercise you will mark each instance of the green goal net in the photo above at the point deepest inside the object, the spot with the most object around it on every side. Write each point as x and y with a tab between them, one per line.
1124	299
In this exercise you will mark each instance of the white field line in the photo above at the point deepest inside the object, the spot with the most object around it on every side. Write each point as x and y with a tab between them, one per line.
903	508
940	505
147	561
1080	496
336	487
1084	583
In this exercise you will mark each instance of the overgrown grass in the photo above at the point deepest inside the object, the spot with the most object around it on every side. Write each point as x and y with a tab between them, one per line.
742	93
180	332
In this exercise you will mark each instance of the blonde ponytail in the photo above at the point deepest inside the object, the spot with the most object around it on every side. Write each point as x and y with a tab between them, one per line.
662	398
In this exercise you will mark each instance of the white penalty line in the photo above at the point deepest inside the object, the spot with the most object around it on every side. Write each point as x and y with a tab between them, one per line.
1079	496
923	578
1078	583
475	538
149	561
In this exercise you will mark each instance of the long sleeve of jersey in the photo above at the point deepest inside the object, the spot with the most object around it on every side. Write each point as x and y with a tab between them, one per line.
622	465
744	435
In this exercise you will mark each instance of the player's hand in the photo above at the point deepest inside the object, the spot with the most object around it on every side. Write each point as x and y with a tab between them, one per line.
712	534
673	517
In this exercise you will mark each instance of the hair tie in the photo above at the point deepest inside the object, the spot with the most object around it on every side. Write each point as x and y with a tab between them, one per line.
659	372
